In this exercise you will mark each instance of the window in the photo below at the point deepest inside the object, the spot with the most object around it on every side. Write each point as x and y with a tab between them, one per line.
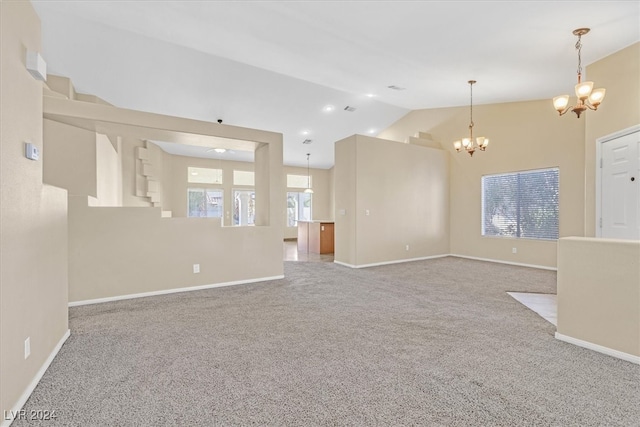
243	178
298	208
244	210
298	181
204	175
204	203
522	204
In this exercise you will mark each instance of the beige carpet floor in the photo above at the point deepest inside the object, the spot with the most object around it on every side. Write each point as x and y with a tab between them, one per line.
434	343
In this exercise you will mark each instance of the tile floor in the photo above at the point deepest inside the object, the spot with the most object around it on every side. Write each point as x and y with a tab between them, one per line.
291	253
546	305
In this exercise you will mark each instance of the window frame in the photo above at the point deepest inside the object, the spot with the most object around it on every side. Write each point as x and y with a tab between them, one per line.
298	207
190	180
306	180
205	190
233	203
519	219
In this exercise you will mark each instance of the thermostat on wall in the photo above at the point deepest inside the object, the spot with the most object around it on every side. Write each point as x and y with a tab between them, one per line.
31	151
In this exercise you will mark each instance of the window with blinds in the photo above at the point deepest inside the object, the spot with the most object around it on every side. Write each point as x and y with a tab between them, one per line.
522	204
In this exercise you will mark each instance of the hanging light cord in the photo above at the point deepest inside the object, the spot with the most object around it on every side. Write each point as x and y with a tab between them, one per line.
471	113
308	174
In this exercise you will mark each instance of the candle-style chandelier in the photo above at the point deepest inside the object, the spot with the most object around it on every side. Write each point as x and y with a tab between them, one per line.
469	144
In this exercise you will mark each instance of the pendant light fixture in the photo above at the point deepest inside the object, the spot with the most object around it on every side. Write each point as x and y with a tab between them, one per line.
308	190
587	97
469	144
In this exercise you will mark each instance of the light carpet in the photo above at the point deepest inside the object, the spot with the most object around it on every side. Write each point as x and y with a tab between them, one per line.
434	342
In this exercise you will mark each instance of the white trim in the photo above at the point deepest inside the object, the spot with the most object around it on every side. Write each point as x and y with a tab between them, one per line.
619	134
344	264
398	261
32	385
600	349
172	291
599	142
519	264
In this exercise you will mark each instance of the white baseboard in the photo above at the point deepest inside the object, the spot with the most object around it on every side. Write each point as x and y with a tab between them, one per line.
519	264
171	291
600	349
8	416
397	261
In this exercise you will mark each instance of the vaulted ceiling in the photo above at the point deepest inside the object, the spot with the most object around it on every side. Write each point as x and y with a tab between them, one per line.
277	65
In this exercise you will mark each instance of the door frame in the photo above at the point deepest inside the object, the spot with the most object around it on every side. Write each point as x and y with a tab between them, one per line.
599	142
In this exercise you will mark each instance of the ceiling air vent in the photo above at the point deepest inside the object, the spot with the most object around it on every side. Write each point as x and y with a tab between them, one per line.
307	141
350	109
394	87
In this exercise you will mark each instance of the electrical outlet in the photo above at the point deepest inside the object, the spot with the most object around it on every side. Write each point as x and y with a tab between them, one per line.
514	250
27	347
196	268
406	248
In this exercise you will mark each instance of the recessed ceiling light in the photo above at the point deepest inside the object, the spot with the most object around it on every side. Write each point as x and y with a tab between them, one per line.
305	132
328	108
371	131
370	95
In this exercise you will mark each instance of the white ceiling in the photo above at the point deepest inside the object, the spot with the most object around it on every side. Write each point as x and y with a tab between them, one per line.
275	65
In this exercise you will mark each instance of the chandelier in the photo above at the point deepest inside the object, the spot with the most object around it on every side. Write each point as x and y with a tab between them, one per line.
469	144
587	97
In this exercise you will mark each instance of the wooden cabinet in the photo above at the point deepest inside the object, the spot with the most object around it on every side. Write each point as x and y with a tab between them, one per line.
315	237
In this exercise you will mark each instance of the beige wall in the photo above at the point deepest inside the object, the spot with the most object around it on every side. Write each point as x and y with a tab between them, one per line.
125	251
33	223
401	198
131	250
619	73
175	184
69	158
345	173
599	292
523	136
530	135
109	170
82	162
332	195
129	177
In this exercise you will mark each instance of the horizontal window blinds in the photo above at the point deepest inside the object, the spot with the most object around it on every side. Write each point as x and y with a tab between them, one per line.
521	204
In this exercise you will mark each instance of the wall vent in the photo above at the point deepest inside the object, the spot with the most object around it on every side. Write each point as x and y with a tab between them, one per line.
350	109
307	141
394	87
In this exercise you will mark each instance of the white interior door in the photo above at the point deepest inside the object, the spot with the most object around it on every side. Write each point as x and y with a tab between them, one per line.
620	187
